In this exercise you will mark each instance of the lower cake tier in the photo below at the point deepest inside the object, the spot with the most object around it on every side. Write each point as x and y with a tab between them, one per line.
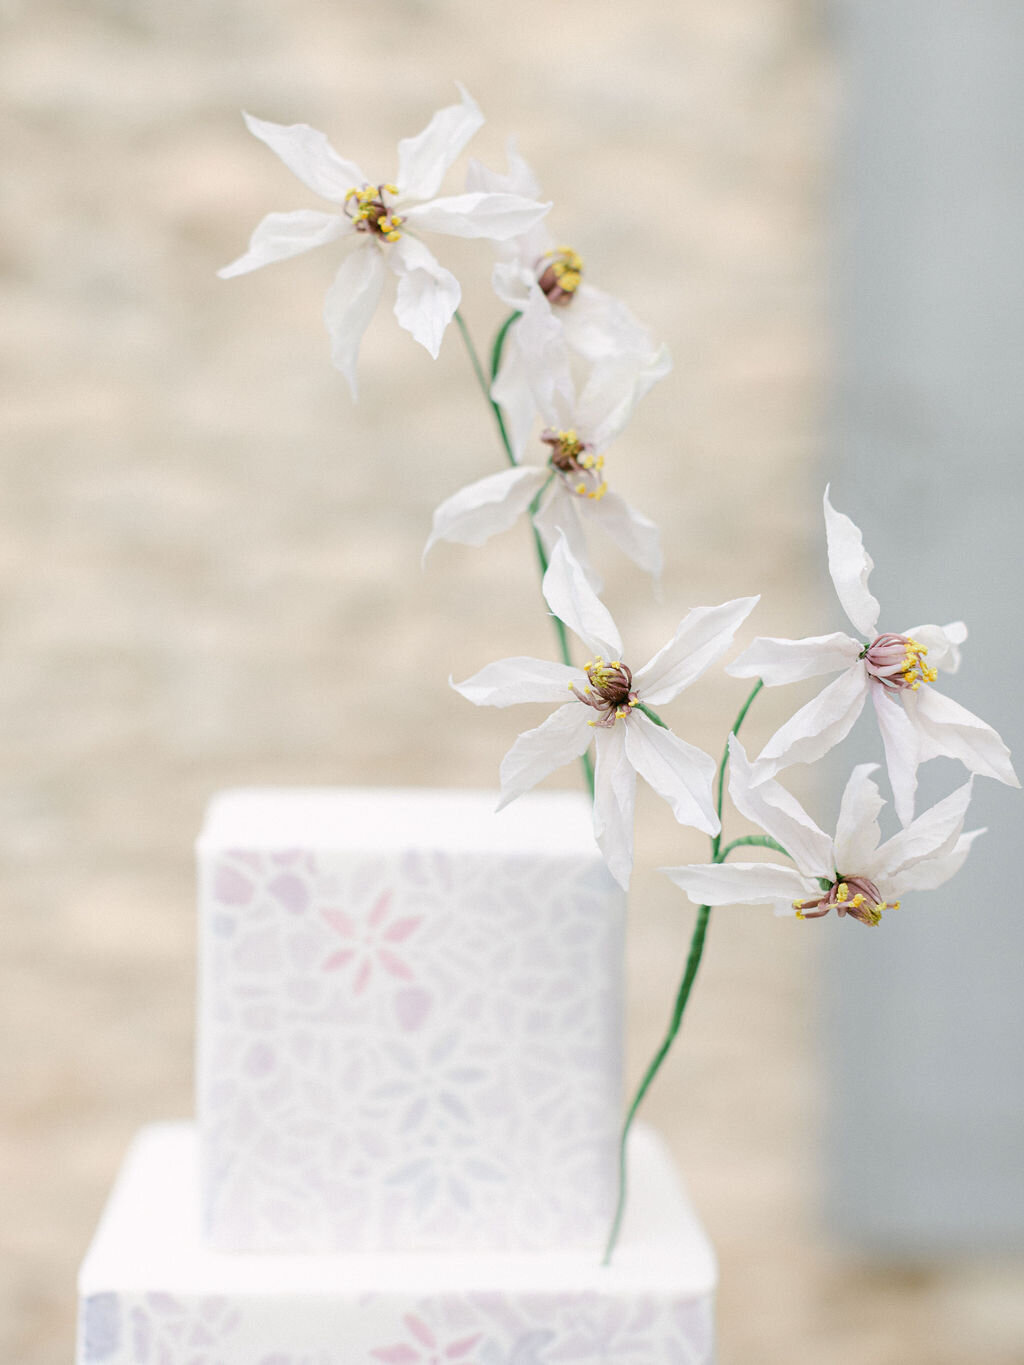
151	1293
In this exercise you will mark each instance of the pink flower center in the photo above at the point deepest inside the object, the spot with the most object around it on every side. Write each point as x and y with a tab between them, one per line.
609	691
575	462
368	209
858	897
897	661
559	274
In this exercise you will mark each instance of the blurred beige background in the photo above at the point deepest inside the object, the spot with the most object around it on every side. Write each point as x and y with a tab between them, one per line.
210	559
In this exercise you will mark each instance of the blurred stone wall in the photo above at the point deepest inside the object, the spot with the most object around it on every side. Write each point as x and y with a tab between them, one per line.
210	559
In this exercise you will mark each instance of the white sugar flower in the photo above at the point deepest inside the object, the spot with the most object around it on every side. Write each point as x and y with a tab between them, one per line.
854	874
570	485
385	218
596	325
917	723
607	709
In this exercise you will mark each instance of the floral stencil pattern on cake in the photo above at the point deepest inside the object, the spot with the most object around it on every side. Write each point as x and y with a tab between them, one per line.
416	1051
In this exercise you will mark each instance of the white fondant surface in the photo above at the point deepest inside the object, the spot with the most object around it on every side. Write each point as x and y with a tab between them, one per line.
153	1294
410	1022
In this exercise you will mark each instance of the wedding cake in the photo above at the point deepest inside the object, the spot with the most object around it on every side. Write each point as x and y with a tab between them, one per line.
409	1101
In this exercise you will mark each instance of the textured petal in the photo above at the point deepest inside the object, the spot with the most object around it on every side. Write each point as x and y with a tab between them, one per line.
816	727
850	566
703	635
613	390
541	338
513	393
902	744
786	661
857	831
679	772
482	509
518	179
559	518
564	736
510	681
636	535
423	159
599	326
428	295
934	873
281	235
779	814
742	884
932	835
574	601
949	728
350	304
307	154
497	216
942	643
614	800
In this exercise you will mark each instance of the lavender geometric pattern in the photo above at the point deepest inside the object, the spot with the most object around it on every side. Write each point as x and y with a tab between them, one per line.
472	1329
409	1051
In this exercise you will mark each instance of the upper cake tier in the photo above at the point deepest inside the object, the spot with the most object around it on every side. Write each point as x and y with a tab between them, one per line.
410	1022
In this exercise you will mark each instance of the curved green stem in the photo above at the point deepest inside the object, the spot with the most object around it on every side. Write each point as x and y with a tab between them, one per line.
689	975
651	715
682	996
758	841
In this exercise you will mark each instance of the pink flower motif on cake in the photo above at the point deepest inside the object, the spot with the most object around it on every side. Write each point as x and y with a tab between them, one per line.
371	943
424	1347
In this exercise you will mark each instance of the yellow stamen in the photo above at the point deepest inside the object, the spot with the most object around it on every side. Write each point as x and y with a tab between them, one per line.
842	892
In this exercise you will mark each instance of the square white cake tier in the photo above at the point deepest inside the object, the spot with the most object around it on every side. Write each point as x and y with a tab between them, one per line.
151	1292
410	1022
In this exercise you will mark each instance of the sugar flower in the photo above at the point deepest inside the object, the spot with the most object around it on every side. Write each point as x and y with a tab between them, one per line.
606	710
854	873
896	670
568	491
534	267
384	218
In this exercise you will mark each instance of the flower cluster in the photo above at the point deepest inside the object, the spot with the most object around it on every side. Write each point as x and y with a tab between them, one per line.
570	364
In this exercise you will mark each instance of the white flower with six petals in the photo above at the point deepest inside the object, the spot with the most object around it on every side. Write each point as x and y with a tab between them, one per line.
896	671
854	874
571	486
385	218
607	697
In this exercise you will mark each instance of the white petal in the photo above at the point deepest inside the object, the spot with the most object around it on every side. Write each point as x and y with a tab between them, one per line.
482	509
932	835
350	304
541	339
703	635
510	681
857	831
613	390
574	601
564	736
942	643
307	154
518	179
816	727
779	814
785	661
497	216
902	744
513	393
423	159
559	517
512	282
934	873
742	884
679	772
601	327
949	728
636	535
614	800
428	295
850	565
281	235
